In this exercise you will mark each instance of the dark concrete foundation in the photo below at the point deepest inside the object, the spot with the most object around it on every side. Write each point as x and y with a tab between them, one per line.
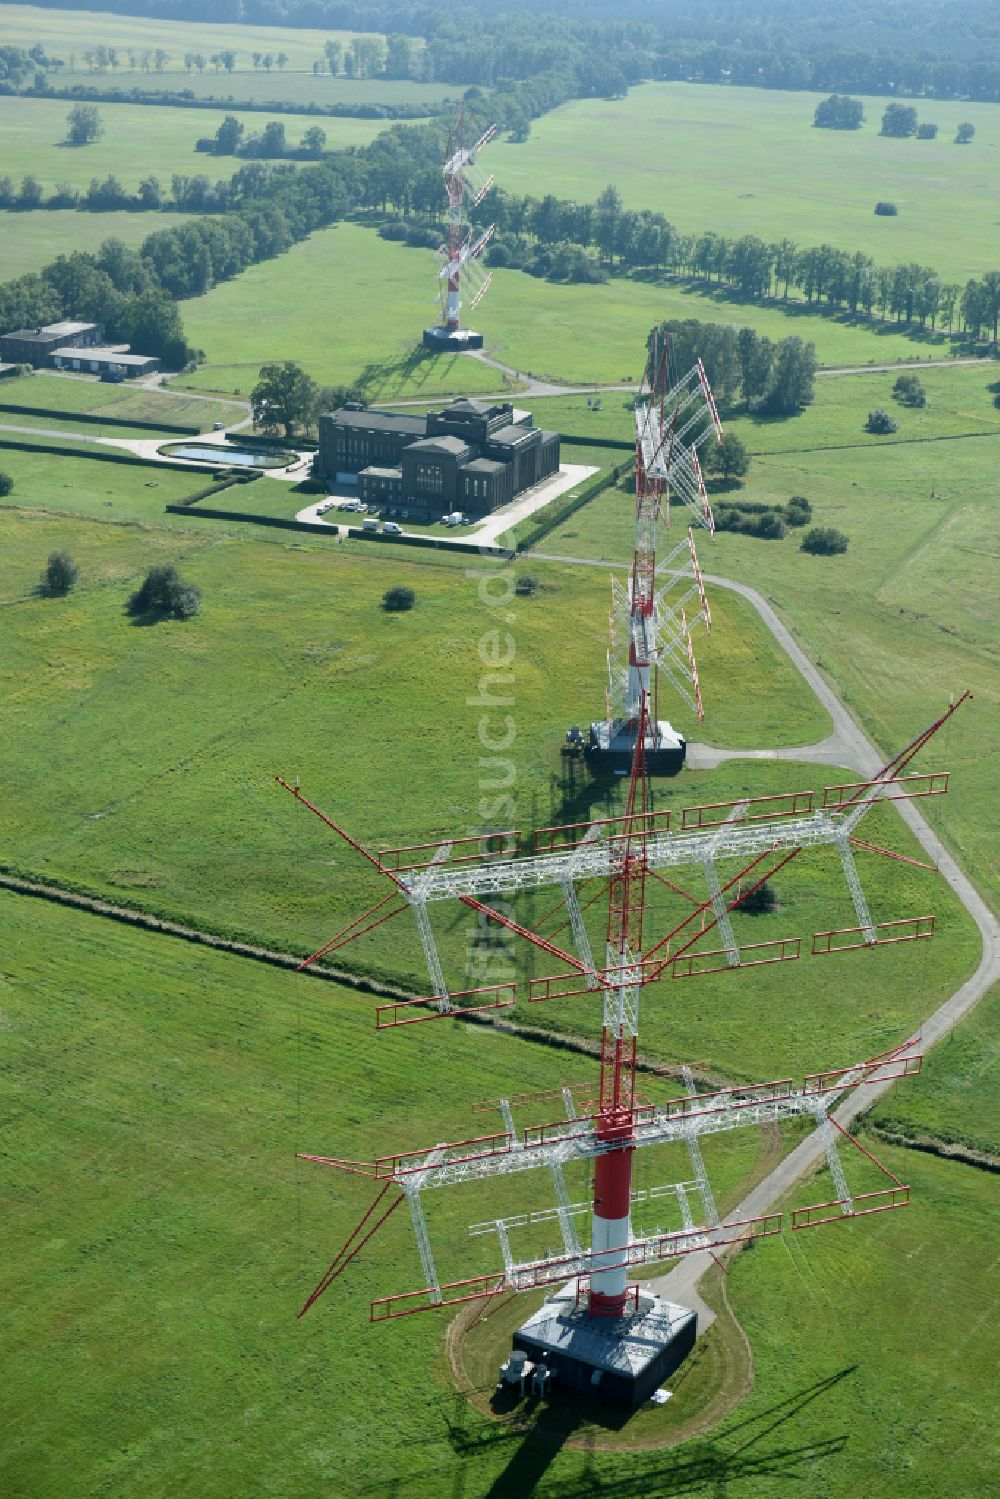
619	1363
441	340
610	748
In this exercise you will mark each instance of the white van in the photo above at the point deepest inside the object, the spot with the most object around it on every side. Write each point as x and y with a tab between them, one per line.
391	529
369	525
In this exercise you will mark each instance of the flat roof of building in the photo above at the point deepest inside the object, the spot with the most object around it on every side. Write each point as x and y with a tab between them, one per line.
512	435
51	330
381	473
379	421
102	355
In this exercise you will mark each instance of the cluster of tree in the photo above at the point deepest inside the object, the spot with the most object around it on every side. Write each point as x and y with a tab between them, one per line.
163	594
901	120
115	287
909	391
286	399
773	377
768	522
839	112
880	423
824	541
185	98
231	139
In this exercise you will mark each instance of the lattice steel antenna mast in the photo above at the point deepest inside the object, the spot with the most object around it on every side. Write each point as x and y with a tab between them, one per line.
650	627
763	834
460	253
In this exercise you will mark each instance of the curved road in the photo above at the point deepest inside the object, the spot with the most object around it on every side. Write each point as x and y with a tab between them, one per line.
847	745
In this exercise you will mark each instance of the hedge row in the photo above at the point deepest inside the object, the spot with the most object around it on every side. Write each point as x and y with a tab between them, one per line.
320	528
242	439
554	515
597	442
95	419
100	455
176	99
438	542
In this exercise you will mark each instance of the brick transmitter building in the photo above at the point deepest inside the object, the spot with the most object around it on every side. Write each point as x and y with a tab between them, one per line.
472	456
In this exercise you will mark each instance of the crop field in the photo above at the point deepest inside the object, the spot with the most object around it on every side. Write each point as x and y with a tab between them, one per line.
160	1092
907	618
245	84
69	33
571	333
139	140
748	161
31	240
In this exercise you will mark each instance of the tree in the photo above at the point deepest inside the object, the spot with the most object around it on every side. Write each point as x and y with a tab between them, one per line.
30	195
760	900
798	511
399	57
899	120
284	397
272	142
839	113
314	140
755	355
824	541
6	484
163	593
228	136
964	133
151	322
333	51
926	131
609	207
770	526
728	458
398	600
792	374
880	423
281	60
150	193
61	572
83	125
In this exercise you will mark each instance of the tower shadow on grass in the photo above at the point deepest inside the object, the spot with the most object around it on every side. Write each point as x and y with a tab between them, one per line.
696	1466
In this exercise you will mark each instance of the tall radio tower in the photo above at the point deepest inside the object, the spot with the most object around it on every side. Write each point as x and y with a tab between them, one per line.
460	254
598	1331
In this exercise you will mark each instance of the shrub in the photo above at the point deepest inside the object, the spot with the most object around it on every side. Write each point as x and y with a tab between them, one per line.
770	526
880	423
526	585
824	541
965	133
163	592
6	484
886	209
909	391
760	902
798	511
61	572
926	131
397	600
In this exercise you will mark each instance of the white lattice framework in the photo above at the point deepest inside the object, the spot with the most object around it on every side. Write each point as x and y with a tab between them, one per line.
460	255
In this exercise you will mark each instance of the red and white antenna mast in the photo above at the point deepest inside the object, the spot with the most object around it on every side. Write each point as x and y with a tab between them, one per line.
460	254
650	624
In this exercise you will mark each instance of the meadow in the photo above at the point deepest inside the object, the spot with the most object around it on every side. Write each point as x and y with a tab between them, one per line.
70	33
291	642
30	240
246	84
162	1238
907	618
139	141
576	334
75	398
748	161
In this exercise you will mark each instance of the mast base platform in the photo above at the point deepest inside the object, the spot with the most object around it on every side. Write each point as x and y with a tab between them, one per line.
442	340
619	1363
612	743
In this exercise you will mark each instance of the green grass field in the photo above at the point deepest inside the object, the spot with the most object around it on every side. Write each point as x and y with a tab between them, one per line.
139	140
748	161
162	1237
244	84
569	333
31	240
75	398
65	33
284	635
